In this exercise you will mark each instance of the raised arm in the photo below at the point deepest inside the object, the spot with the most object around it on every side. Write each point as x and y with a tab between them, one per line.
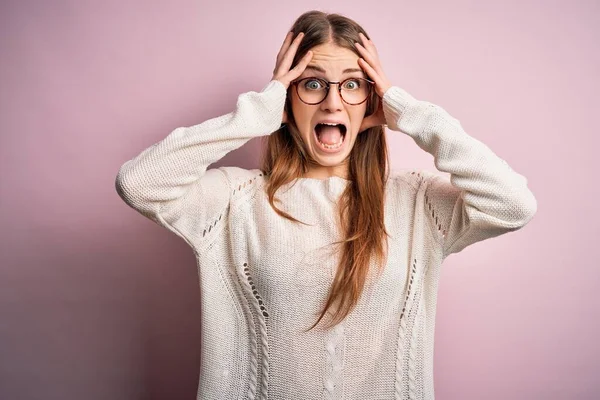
483	198
169	182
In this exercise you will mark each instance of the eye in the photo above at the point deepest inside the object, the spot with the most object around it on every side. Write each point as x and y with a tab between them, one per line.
352	84
313	84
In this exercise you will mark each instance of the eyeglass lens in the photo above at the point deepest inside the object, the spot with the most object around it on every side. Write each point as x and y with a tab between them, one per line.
314	90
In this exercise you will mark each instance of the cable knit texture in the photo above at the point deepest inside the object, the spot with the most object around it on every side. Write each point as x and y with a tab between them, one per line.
263	279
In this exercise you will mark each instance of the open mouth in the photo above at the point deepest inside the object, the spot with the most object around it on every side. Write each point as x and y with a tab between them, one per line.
330	136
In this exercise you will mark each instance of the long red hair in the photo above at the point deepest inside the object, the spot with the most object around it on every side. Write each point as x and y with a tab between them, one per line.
361	207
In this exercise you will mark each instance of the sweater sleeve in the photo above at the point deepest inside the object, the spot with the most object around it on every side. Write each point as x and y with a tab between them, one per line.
169	181
483	197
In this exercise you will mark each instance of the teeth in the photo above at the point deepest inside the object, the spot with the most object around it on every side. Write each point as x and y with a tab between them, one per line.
332	146
330	123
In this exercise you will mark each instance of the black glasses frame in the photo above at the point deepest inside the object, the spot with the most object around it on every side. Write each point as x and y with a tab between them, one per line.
328	85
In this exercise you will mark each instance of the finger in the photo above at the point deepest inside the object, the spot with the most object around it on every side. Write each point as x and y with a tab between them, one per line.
300	67
368	43
363	38
370	58
288	58
284	46
282	65
369	69
381	82
367	54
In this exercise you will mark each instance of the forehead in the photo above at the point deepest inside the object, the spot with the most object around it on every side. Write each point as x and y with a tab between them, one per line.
331	60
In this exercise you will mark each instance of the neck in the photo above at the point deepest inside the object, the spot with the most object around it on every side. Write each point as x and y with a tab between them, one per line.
325	173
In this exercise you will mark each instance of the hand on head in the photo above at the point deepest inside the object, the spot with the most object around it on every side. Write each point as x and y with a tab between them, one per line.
371	64
282	71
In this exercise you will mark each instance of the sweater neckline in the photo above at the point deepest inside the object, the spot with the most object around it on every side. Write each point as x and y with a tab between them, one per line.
333	186
325	180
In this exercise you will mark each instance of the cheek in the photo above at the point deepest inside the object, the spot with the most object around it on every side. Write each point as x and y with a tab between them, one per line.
302	114
356	117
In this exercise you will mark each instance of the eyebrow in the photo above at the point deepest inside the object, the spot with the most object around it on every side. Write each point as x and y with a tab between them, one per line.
320	69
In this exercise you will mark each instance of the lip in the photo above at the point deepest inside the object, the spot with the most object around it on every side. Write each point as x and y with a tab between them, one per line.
331	121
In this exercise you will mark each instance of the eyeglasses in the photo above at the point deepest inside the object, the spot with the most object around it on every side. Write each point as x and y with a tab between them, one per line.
353	91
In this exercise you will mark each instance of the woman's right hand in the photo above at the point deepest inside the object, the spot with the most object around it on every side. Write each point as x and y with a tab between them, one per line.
282	71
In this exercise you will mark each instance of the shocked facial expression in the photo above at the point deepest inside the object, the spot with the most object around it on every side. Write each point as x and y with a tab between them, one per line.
322	126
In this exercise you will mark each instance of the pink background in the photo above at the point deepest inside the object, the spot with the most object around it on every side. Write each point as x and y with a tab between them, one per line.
98	302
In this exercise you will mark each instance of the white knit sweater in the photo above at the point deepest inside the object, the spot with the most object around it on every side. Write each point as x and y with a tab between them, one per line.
263	279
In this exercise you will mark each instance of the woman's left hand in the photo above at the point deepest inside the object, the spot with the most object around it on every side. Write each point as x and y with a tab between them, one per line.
372	66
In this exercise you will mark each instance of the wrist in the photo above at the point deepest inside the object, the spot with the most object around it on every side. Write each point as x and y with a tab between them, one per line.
384	89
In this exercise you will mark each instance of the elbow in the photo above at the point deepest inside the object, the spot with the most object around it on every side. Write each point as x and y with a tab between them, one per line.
523	210
123	185
136	193
129	191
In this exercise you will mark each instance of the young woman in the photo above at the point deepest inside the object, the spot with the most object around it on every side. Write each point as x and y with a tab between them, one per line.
331	292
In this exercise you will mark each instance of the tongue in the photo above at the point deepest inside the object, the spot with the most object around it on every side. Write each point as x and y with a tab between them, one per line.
329	134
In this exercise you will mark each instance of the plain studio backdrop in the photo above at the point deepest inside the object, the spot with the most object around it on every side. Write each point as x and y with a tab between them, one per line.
98	302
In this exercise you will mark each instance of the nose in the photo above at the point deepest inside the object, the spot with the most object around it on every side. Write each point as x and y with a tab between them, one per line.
333	101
